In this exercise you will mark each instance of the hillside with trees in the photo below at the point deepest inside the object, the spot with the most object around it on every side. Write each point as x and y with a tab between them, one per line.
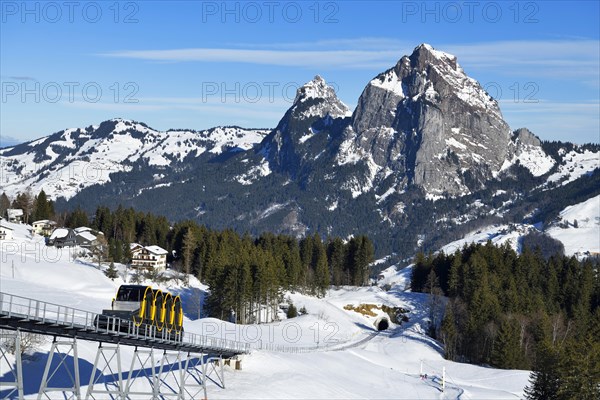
245	273
522	311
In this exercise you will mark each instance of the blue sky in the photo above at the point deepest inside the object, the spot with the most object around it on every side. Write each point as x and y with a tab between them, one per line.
195	65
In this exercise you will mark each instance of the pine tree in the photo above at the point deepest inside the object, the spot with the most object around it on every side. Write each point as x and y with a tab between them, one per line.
77	218
111	272
336	255
507	352
292	312
321	269
189	247
43	208
544	380
4	204
449	333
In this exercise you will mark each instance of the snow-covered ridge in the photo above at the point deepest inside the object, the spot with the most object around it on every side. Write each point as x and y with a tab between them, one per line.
577	228
391	82
575	165
67	162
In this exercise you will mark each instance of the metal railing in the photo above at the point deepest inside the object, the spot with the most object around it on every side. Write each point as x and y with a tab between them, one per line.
28	309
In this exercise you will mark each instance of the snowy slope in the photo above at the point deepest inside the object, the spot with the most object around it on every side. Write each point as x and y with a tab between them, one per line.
585	236
67	162
580	240
575	165
497	234
352	360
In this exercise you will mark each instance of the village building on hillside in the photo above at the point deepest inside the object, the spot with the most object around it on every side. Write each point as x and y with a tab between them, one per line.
6	233
14	215
62	237
149	257
85	239
44	227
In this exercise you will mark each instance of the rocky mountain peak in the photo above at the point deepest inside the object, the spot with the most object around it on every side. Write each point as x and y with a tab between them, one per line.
317	98
316	108
429	123
425	55
525	137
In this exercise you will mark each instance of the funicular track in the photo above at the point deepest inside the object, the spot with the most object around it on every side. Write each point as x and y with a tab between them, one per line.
194	353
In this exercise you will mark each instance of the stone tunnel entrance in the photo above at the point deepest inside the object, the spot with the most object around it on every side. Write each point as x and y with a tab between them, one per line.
382	324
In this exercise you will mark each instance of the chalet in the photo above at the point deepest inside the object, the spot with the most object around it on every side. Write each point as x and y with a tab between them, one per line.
44	227
14	215
85	238
62	237
6	233
149	257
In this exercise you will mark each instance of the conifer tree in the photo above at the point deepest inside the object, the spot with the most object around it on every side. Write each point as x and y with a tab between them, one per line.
189	247
111	272
4	204
321	269
43	208
449	333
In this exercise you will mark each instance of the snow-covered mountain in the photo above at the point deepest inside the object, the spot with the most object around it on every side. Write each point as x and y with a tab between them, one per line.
68	161
425	147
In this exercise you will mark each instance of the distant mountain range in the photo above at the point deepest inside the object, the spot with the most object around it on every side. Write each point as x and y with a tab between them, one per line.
424	157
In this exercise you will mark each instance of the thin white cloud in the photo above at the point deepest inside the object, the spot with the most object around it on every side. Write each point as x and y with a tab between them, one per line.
566	57
232	110
303	58
578	121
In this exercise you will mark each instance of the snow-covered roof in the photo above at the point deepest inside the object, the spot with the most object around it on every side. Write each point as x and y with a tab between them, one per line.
82	229
14	212
156	250
59	233
87	236
133	246
44	222
6	227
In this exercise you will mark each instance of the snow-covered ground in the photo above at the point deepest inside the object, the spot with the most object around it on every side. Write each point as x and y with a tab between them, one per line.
576	164
497	234
579	227
352	360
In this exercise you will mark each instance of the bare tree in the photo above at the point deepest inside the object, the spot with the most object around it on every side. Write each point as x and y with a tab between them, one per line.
100	250
28	343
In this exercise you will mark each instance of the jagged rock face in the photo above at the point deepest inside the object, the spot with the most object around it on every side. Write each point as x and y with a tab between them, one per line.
526	137
315	108
427	121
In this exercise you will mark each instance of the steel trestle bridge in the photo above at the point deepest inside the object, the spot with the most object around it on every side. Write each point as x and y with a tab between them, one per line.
190	360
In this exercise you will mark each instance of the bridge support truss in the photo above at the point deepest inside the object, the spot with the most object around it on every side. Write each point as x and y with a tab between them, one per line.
165	374
11	342
178	375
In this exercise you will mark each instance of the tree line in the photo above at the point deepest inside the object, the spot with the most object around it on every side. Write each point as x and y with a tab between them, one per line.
246	274
522	311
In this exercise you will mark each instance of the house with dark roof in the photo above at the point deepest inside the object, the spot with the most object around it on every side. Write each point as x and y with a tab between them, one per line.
62	237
